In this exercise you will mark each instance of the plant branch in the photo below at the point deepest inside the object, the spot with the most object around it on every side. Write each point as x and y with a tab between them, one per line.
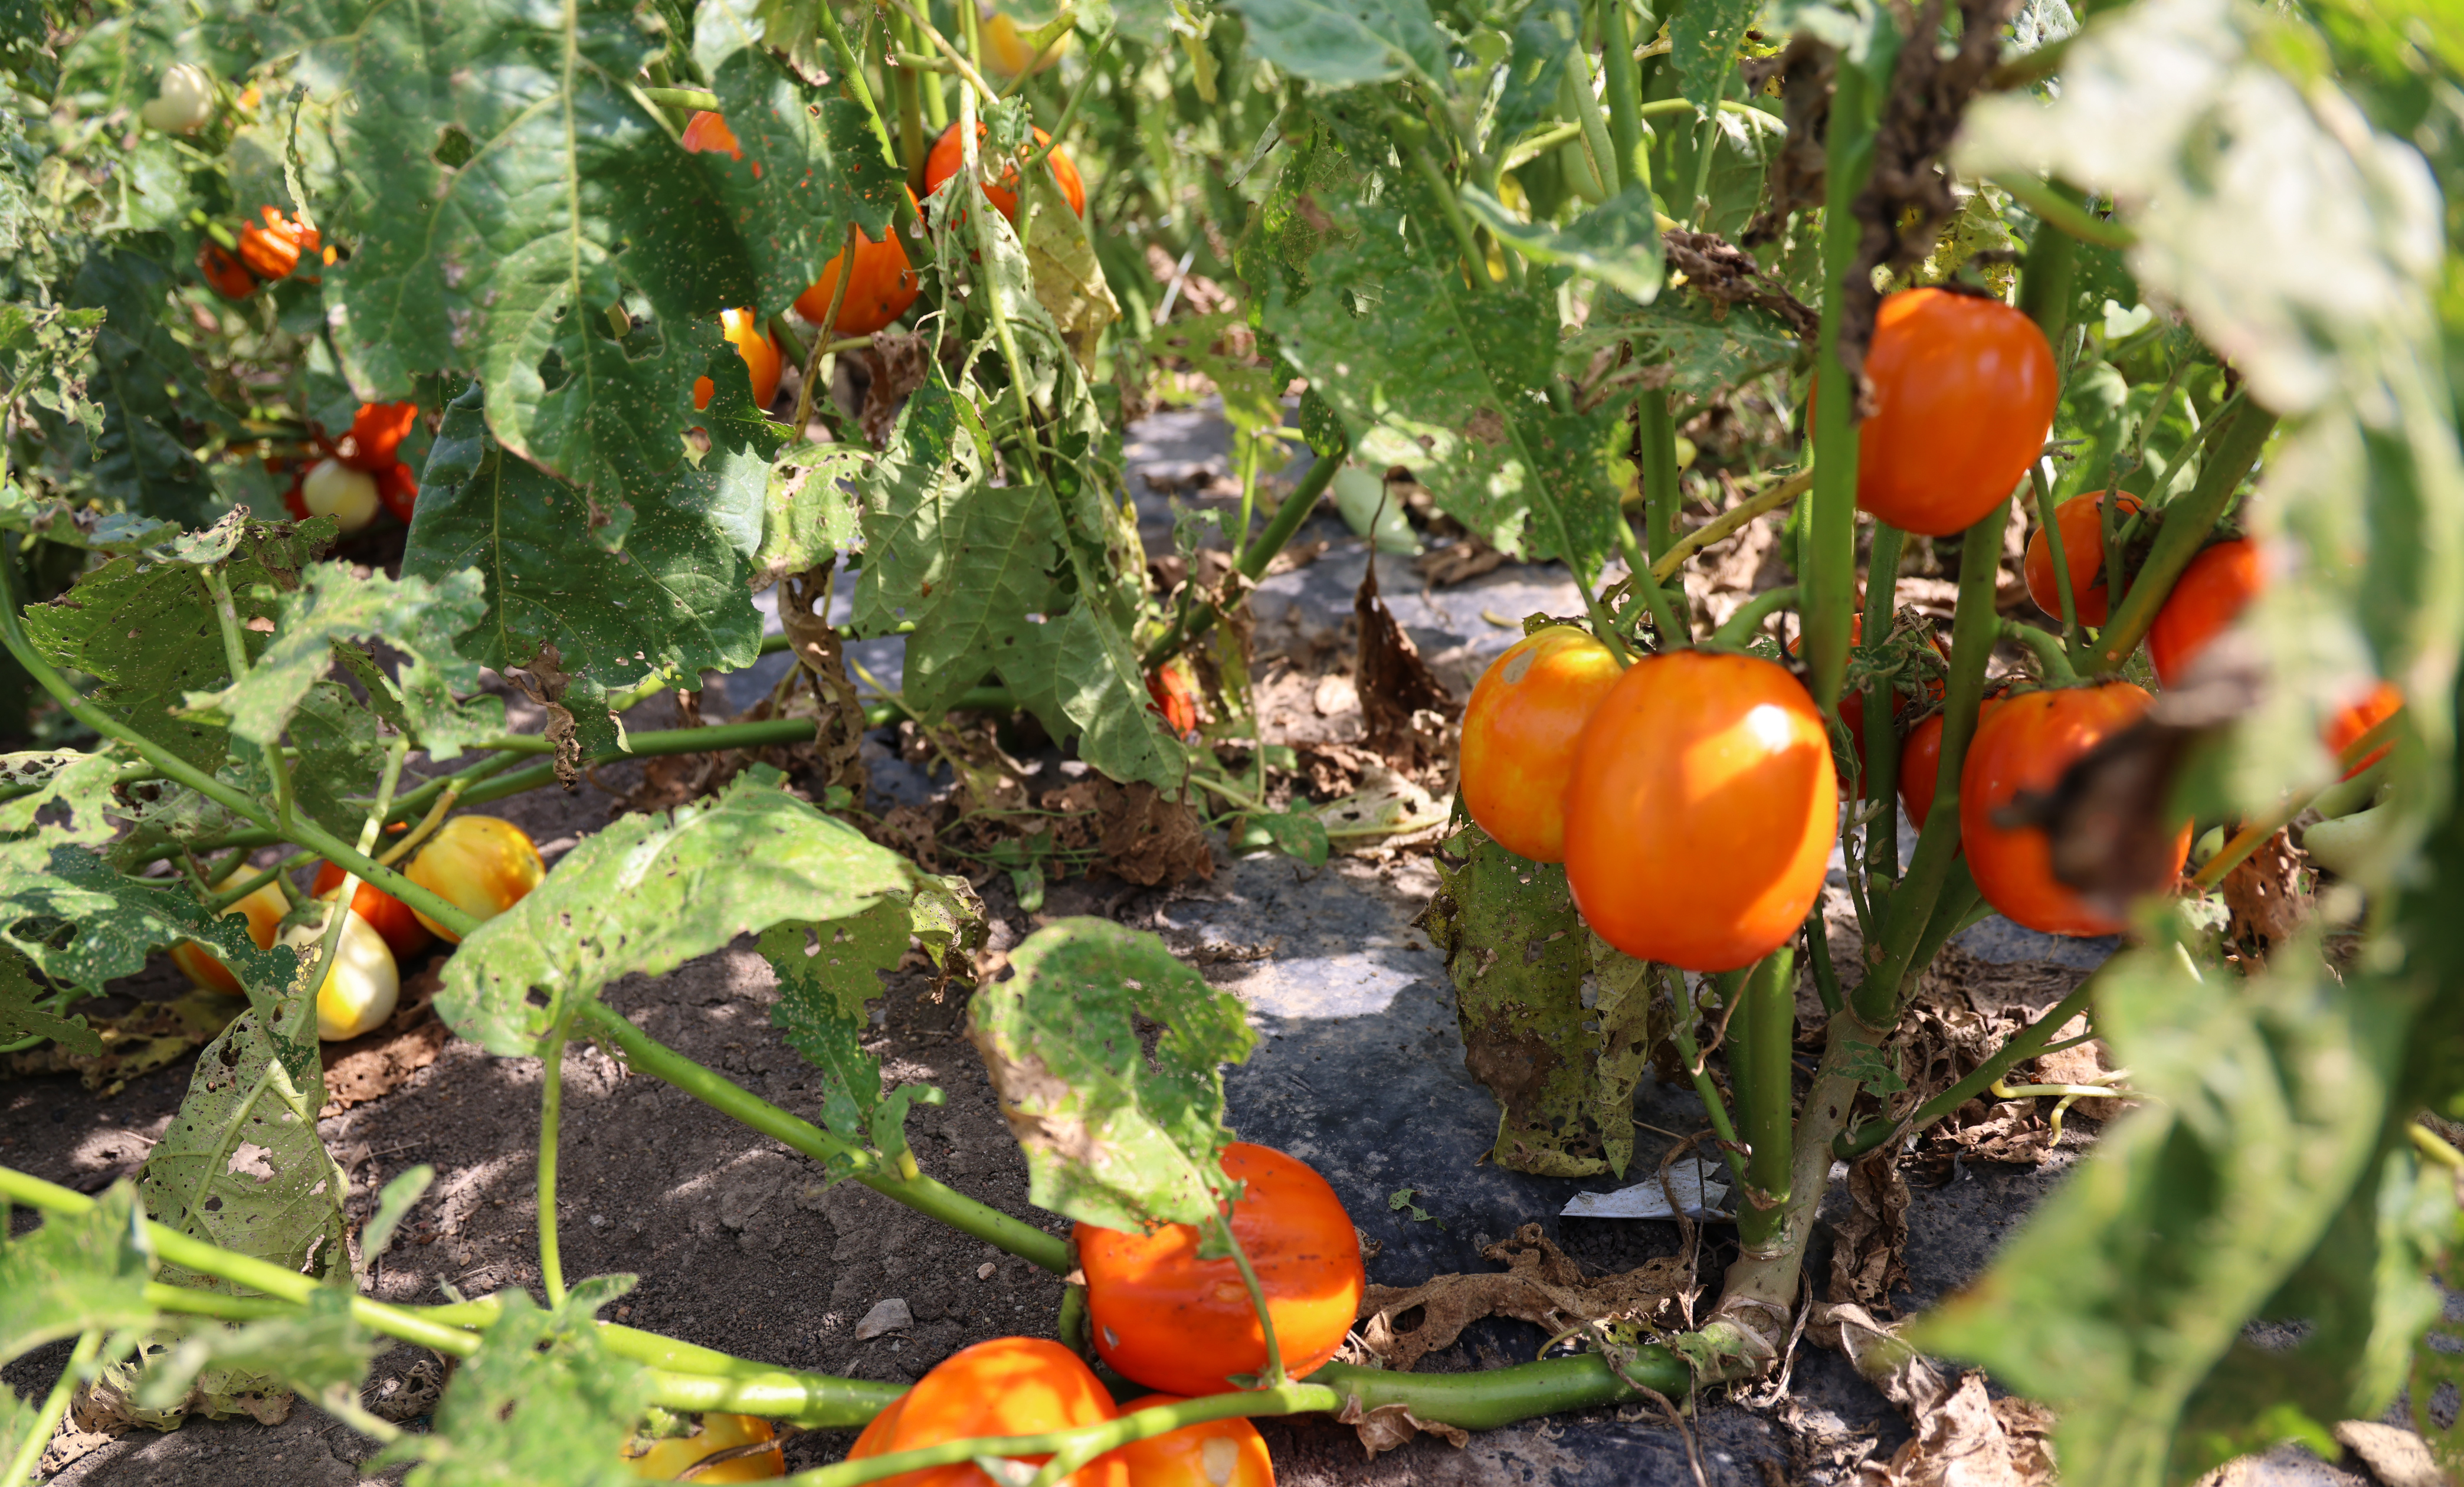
2021	1047
56	1404
1749	617
2189	519
1192	624
1663	565
2057	208
1760	1039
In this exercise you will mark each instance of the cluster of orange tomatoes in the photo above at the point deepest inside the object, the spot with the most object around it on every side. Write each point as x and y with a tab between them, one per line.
1691	796
353	478
881	283
1161	1316
481	864
267	251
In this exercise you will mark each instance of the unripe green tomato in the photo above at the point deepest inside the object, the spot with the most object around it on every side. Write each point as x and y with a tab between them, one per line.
334	489
361	986
481	864
183	103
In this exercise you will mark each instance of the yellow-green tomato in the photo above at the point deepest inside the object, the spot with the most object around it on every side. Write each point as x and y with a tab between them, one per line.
183	103
481	864
1008	49
359	988
671	1457
334	489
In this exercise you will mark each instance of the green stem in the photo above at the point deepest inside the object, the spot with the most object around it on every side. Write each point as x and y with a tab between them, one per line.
813	1401
2052	658
1689	1048
1071	1447
1674	631
1493	1397
852	75
2060	207
1761	1035
254	882
1193	624
921	1194
2042	489
2023	1045
1625	111
56	1404
551	1109
2189	520
1830	576
1274	1374
1408	136
1826	976
1070	107
1749	619
1881	774
682	98
2045	281
1660	494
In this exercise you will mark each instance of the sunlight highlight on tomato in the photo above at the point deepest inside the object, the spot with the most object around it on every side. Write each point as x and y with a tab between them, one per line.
1964	395
1171	1320
1520	731
761	359
481	864
1702	811
670	1456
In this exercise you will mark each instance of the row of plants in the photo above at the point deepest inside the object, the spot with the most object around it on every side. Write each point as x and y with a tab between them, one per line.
2180	284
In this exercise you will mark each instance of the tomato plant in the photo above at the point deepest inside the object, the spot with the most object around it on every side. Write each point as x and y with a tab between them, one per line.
949	152
482	865
389	916
1700	811
2081	520
1964	395
1168	1317
1518	734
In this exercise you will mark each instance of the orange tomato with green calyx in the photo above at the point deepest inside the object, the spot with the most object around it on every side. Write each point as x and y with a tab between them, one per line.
2082	519
1702	811
881	289
671	1456
1171	1320
949	153
272	251
2209	597
481	864
761	359
2026	744
1921	764
1964	395
389	916
1005	1387
227	276
1212	1453
1519	733
2383	702
263	910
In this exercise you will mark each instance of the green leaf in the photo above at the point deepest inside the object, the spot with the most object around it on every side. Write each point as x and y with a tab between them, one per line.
1452	383
1252	396
74	1273
20	1018
2131	1284
149	387
393	1204
41	350
811	512
1699	346
541	1403
827	972
651	892
1703	46
1342	45
84	924
1616	242
1061	260
1545	38
321	1348
1113	1137
340	757
673	599
1078	676
415	616
812	160
143	627
1297	834
241	1165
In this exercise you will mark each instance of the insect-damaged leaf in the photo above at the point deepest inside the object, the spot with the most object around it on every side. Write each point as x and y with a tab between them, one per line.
1112	1136
651	892
80	921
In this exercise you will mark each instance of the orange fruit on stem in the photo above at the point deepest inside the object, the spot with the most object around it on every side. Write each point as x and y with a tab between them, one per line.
1702	811
707	131
1004	1386
1227	1453
2027	744
1520	731
1171	1320
2206	600
2383	702
225	273
761	359
949	152
377	431
389	916
1920	762
481	864
2082	523
272	251
880	291
1964	395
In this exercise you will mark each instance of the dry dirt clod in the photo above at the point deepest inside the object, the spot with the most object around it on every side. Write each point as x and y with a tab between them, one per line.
888	1316
2396	1457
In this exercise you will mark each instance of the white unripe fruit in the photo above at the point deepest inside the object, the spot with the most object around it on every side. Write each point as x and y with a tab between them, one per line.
334	489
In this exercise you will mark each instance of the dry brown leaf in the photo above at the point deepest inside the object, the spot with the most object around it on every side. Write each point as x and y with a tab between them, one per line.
543	679
2397	1457
376	1063
1963	1436
1404	707
1541	1285
2264	893
898	361
1295	557
1866	1263
1389	1426
838	732
1466	557
1140	834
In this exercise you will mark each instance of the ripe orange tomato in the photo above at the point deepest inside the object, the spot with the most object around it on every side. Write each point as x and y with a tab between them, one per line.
227	276
2082	524
389	916
272	251
399	488
949	152
1171	1320
2026	744
1216	1453
263	910
2207	598
1172	693
1964	395
1005	1387
670	1457
481	864
1519	733
377	431
2383	702
708	131
761	359
882	289
1920	762
1702	811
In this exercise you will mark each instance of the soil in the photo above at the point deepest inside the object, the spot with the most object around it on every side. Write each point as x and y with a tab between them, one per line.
740	1246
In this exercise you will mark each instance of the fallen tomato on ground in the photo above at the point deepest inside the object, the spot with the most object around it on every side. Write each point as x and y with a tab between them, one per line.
670	1456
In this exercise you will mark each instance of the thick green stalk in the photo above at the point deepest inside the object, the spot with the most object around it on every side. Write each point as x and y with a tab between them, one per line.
1761	1033
1689	1050
2053	659
2054	550
812	1401
2189	521
923	1194
1625	99
1973	626
1674	627
1881	774
1494	1397
1751	614
1415	152
2022	1046
1254	557
551	1109
2045	282
1657	473
682	98
1830	576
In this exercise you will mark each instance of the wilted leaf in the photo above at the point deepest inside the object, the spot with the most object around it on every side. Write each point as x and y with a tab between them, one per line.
1540	1285
1113	1137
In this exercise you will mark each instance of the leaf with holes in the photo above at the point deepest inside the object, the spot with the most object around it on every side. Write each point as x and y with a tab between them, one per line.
21	1016
84	924
1616	242
241	1163
1340	45
1112	1136
828	973
651	892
